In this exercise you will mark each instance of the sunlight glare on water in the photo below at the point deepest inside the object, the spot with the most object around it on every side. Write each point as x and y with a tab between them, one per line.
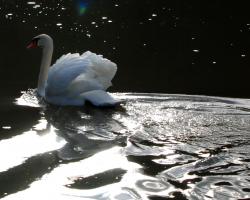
55	184
28	144
154	145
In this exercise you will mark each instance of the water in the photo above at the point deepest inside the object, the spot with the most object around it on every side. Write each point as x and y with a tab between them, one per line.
159	46
155	145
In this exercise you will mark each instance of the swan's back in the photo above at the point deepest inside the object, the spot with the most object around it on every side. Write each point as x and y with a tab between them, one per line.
75	74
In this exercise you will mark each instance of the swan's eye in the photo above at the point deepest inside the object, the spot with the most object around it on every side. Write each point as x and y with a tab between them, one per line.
33	43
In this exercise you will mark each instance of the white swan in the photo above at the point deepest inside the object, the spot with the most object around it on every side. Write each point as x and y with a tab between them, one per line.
74	78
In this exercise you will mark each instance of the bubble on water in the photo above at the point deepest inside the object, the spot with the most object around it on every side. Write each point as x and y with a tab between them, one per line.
93	22
88	35
116	5
104	18
36	6
59	24
110	21
214	62
31	2
154	15
150	19
9	16
152	185
6	127
196	50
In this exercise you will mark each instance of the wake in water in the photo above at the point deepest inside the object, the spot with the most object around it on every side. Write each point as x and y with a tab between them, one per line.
154	146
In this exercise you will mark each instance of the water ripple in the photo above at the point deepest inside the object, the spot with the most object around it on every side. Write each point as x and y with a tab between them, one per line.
154	146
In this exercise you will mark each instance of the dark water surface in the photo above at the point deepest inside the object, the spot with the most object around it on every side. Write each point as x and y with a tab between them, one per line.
159	46
154	146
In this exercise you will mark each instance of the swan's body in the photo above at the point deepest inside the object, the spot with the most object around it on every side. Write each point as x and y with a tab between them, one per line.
74	78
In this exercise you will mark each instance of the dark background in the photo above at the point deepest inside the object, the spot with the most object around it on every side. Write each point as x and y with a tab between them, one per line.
152	42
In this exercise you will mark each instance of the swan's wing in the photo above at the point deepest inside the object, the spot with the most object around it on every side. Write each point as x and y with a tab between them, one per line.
104	69
100	98
83	83
73	74
64	71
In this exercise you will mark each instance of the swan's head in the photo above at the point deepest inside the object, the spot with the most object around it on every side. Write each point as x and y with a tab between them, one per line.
42	41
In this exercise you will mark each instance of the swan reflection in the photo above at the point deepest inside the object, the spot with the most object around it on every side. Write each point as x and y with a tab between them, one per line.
85	131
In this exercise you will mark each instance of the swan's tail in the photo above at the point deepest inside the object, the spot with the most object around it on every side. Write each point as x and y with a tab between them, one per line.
100	98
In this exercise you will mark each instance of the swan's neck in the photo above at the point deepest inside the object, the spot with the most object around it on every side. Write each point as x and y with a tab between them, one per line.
44	69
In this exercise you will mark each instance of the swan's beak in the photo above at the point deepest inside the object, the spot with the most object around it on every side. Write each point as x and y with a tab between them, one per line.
32	44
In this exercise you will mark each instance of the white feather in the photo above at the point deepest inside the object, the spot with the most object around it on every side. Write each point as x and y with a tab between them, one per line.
73	75
100	98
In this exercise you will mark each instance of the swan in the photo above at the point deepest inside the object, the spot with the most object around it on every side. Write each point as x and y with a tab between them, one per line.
74	78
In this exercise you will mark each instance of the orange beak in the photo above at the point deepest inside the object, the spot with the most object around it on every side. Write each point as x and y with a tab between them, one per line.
32	44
